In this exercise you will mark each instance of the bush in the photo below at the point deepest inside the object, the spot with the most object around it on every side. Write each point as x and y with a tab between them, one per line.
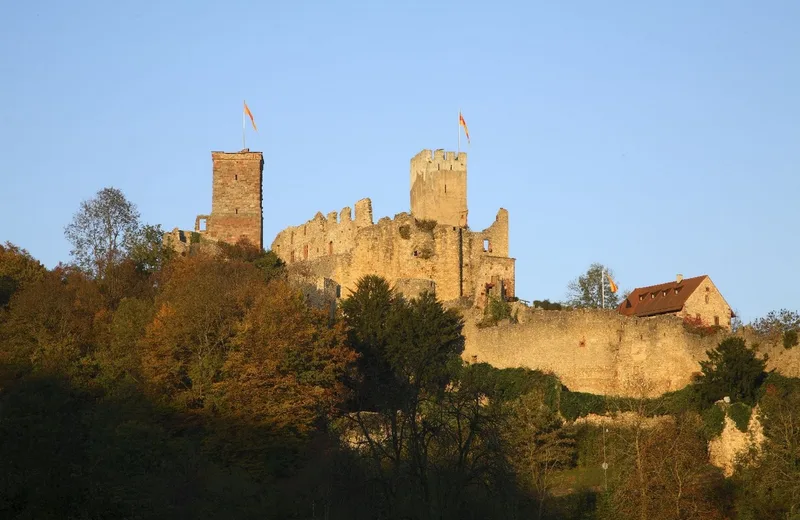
579	404
790	338
740	413
733	370
674	403
195	239
425	225
497	309
405	231
547	305
713	421
696	326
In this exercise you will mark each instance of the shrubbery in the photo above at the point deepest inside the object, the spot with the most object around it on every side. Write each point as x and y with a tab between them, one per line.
740	414
713	421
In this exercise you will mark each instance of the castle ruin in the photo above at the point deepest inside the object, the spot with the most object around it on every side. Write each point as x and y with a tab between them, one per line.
430	248
236	203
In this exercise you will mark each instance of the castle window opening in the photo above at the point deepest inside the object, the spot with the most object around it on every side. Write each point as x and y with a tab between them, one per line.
716	321
486	245
706	298
291	259
445	188
330	247
236	211
202	224
236	177
305	251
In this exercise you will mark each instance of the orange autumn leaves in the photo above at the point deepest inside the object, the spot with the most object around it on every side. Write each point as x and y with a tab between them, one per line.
226	340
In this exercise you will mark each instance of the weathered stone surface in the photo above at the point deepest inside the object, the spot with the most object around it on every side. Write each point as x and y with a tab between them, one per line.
431	243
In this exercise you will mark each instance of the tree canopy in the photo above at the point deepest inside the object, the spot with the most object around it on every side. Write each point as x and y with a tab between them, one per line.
592	289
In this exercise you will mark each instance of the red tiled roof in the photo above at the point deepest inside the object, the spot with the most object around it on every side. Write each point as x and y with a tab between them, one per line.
661	298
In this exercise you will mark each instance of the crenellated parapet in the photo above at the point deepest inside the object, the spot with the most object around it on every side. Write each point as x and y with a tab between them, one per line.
438	187
323	235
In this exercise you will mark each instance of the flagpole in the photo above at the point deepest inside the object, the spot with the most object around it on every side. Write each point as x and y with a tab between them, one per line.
603	288
459	131
243	142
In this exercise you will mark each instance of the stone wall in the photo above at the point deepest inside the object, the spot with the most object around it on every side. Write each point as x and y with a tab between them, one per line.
323	235
439	187
236	201
707	303
593	350
603	352
450	258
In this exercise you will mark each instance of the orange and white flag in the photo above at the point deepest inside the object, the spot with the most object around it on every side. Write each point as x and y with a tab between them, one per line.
463	123
250	114
611	284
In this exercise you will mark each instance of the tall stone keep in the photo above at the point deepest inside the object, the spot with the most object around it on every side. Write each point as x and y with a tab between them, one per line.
439	187
236	199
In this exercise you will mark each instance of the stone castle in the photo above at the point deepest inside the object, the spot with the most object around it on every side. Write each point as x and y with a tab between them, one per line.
429	248
432	248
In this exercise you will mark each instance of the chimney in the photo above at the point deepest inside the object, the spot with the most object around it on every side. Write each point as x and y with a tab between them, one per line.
679	278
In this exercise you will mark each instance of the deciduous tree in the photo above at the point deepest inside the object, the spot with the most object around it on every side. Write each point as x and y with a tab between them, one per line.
103	230
592	289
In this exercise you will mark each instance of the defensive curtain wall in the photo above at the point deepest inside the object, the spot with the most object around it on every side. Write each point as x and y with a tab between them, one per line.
431	247
411	253
603	352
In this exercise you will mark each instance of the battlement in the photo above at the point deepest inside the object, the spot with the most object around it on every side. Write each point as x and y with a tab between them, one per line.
242	155
433	160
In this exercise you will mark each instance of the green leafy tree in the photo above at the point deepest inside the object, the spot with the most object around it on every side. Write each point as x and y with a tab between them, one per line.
539	444
102	231
590	289
17	268
148	251
733	369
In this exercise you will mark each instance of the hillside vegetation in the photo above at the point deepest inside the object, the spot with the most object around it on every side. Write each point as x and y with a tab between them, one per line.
144	385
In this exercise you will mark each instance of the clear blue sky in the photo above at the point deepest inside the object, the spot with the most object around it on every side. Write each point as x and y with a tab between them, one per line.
657	139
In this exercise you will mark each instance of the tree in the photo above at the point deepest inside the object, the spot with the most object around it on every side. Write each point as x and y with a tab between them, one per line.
589	289
784	324
732	370
409	354
770	477
539	444
17	269
102	231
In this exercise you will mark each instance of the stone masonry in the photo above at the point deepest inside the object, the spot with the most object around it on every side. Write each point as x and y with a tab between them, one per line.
236	203
439	187
429	247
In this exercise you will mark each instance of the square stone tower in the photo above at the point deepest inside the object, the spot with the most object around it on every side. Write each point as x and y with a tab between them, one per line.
439	187
236	199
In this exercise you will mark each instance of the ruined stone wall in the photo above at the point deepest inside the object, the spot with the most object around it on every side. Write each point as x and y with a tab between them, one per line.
603	352
323	235
593	350
439	187
707	303
236	202
486	256
403	248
